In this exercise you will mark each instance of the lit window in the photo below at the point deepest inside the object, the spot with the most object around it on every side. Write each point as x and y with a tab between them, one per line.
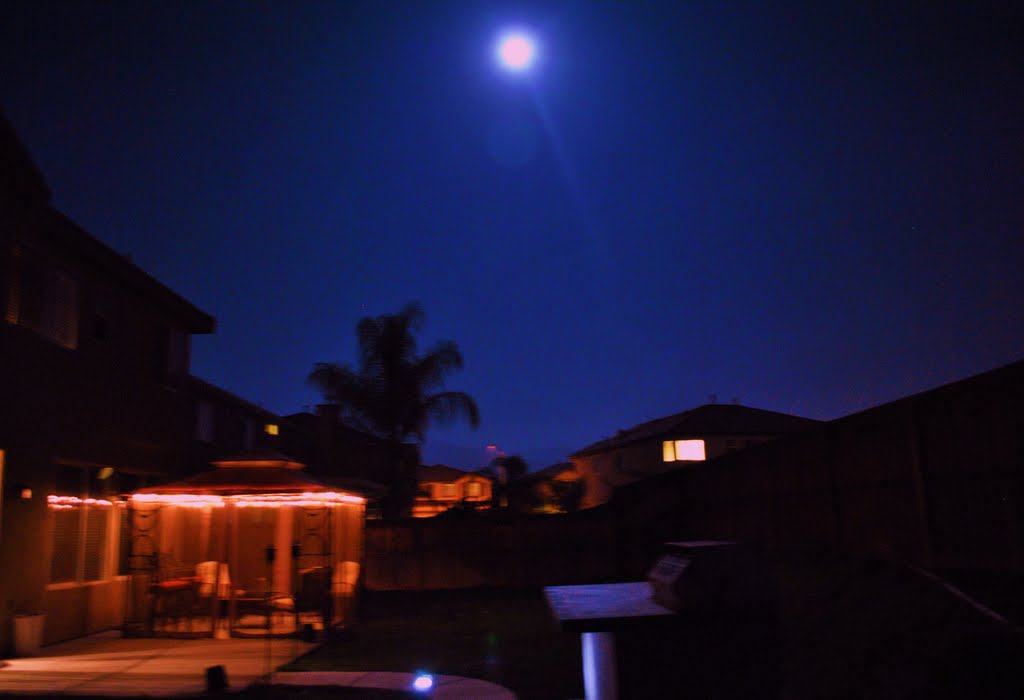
271	429
474	489
682	451
668	451
689	450
447	490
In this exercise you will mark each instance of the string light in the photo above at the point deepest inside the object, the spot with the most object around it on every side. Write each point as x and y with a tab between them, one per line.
67	502
269	500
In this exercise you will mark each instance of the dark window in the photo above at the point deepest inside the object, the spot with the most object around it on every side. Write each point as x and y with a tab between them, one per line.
42	297
204	421
102	313
170	356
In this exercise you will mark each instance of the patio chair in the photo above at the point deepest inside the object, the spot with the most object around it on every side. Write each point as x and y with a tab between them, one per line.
206	573
314	595
343	588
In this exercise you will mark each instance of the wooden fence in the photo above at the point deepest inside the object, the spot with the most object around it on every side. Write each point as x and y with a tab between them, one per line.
936	479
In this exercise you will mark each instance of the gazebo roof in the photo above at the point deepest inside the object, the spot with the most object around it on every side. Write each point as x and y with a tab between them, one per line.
253	473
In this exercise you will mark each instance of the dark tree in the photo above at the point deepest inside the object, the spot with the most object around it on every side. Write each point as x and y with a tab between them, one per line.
505	471
395	393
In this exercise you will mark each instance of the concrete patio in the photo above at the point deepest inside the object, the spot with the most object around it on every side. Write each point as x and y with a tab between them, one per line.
109	664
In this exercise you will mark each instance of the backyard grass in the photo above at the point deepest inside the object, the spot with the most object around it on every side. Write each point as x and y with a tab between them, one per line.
504	636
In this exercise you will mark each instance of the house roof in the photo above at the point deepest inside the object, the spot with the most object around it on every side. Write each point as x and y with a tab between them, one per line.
353	435
546	473
23	187
204	389
21	182
709	419
76	240
440	472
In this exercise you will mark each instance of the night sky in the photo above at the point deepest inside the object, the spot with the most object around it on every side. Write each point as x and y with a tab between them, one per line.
812	209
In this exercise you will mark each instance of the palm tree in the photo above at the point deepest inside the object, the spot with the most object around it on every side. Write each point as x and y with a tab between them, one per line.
395	394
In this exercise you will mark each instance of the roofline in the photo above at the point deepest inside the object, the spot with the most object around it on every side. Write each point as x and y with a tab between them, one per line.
609	444
77	239
220	393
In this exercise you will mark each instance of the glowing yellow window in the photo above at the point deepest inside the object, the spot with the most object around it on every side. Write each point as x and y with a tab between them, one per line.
668	451
271	429
682	451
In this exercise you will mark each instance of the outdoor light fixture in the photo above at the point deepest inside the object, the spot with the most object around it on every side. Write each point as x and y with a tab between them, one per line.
423	682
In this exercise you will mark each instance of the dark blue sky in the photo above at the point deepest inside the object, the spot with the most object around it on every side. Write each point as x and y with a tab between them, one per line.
814	209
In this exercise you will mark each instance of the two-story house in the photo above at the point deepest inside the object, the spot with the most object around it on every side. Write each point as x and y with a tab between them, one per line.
674	441
440	487
94	355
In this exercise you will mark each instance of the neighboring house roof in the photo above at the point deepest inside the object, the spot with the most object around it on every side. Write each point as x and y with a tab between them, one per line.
546	473
709	419
353	435
440	473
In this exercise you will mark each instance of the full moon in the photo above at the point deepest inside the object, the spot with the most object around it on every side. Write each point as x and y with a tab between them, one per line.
515	51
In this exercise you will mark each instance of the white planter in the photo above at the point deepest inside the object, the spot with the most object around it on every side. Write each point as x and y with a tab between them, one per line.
28	634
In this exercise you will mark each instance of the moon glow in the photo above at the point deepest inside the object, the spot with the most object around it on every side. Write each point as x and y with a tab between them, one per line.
516	51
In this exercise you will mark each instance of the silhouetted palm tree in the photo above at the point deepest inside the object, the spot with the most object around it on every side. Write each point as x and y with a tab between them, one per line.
394	392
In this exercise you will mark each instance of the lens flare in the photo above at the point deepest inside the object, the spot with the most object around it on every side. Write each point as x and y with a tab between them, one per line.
423	682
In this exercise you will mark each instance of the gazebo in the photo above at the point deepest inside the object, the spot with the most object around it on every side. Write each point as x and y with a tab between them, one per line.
253	547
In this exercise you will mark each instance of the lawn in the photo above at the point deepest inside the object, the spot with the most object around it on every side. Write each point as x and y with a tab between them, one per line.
499	635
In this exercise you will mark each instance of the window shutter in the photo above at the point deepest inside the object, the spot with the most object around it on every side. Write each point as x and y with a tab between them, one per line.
95	541
63	311
64	561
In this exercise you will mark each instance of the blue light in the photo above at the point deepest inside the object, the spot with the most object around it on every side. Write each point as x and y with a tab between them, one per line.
423	682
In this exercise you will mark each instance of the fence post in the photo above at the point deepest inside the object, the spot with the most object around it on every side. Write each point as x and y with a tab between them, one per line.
920	492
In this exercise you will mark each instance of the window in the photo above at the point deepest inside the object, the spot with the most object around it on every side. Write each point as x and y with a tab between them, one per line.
102	312
249	434
204	421
474	489
170	357
271	429
682	451
42	297
84	527
447	490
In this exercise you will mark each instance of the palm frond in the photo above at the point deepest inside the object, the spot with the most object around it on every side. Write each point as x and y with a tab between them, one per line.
451	405
432	368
